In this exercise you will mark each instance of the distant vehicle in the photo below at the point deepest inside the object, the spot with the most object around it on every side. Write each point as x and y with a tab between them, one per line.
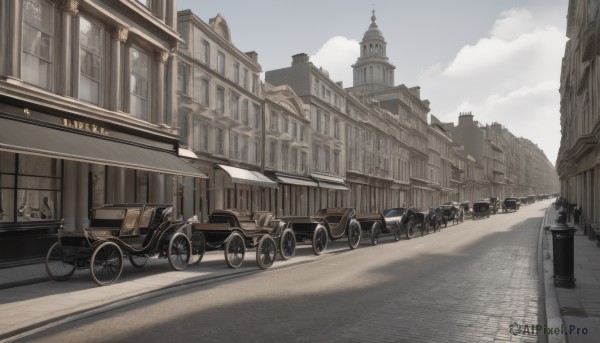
233	231
481	208
452	212
393	222
138	231
414	219
374	225
511	203
327	224
495	204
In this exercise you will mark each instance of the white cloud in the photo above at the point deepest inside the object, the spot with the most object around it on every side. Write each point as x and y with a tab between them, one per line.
511	77
335	56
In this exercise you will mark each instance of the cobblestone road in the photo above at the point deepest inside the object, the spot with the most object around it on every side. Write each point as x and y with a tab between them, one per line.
467	283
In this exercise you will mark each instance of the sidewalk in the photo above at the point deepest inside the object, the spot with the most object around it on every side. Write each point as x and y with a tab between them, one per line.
575	310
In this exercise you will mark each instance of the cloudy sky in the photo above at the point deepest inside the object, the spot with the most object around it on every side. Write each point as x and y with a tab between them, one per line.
499	59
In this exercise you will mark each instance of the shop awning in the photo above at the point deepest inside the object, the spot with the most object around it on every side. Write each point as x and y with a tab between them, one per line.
331	182
27	138
248	177
297	181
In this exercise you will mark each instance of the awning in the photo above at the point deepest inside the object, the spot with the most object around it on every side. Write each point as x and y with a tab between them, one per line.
27	138
248	177
298	181
331	182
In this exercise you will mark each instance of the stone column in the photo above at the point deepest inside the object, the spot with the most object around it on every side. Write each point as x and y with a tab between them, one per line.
158	112
126	91
171	89
157	188
68	49
81	219
116	71
69	195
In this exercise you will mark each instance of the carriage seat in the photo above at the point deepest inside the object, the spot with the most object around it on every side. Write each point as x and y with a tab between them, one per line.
336	221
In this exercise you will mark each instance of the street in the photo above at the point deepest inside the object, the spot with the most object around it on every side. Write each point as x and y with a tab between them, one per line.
467	283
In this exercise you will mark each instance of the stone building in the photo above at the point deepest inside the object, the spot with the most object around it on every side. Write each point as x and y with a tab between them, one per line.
86	93
577	163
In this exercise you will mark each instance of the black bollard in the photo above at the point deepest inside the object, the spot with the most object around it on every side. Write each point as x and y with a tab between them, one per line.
563	254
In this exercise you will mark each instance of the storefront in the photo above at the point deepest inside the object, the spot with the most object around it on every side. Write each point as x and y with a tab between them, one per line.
54	167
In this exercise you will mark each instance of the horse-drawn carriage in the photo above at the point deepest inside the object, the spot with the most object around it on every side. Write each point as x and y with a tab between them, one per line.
327	224
511	203
415	219
138	231
235	231
393	222
452	212
481	208
374	225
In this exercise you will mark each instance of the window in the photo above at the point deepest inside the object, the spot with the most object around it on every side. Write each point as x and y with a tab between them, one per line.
140	83
37	188
336	162
272	153
294	130
304	161
205	57
236	72
326	120
245	109
203	92
274	125
183	72
256	115
327	156
200	135
90	61
220	142
183	126
285	153
244	149
254	84
233	146
235	106
257	151
336	128
284	123
245	78
221	63
38	31
315	152
220	100
294	160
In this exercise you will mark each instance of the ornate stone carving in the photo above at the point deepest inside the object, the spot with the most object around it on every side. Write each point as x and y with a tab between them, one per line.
121	34
162	56
71	6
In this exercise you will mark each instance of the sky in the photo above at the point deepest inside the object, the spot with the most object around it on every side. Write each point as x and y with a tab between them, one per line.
499	59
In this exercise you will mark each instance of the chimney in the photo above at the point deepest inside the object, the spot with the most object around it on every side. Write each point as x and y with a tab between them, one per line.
465	118
253	55
300	58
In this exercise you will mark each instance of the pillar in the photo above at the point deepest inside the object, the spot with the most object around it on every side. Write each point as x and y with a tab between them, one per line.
13	11
69	195
81	215
119	38
68	49
158	112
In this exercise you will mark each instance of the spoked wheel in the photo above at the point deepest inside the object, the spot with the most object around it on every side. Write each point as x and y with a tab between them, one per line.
198	247
287	244
106	263
353	235
375	233
397	231
59	265
319	241
180	250
235	250
266	252
138	261
410	231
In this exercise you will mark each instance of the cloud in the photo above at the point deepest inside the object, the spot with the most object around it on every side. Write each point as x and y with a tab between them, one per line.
335	56
511	77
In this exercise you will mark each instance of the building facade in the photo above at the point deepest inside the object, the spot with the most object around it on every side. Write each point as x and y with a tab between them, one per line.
86	92
578	162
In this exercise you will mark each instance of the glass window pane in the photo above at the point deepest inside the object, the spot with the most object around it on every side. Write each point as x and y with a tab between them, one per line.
37	205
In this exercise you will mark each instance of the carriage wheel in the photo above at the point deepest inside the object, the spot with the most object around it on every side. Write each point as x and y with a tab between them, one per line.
410	231
266	252
106	263
198	247
138	261
319	241
235	250
354	234
59	265
397	231
287	244
375	233
179	251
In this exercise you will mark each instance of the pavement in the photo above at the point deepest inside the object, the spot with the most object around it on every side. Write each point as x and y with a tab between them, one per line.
29	302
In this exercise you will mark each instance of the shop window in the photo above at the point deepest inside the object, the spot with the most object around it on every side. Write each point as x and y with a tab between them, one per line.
35	183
